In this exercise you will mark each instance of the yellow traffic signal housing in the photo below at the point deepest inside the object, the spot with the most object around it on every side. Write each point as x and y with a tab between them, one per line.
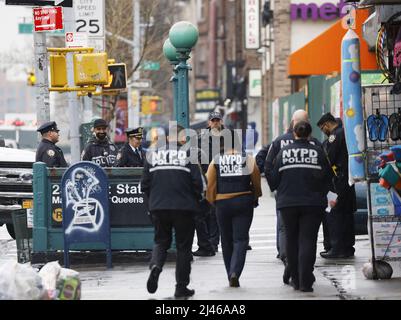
31	79
152	105
90	69
58	71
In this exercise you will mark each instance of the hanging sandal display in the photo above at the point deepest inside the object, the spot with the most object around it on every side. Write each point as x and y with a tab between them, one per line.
378	125
395	125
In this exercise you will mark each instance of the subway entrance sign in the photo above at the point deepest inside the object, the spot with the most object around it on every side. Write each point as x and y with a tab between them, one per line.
117	74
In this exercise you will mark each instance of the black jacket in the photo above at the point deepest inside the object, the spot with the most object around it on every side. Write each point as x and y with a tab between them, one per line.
210	146
301	176
337	153
103	153
171	182
126	157
50	154
261	158
275	147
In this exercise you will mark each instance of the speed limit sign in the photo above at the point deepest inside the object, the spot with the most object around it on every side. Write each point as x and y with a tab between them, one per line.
89	16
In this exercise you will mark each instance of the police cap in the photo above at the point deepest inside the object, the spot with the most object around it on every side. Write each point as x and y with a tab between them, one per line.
327	117
215	115
100	123
136	132
48	126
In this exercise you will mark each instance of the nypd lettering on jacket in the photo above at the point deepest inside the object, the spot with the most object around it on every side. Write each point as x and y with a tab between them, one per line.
169	160
231	165
300	158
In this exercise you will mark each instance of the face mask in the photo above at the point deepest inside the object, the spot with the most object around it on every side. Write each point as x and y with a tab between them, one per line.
101	135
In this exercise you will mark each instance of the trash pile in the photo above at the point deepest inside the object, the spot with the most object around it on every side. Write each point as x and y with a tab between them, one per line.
52	282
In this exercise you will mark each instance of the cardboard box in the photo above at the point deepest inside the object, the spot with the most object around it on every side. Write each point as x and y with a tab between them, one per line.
385	240
386	228
383	210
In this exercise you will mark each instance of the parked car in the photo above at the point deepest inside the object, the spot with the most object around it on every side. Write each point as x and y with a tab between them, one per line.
15	184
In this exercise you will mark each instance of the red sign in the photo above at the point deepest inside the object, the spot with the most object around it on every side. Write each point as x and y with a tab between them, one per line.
48	18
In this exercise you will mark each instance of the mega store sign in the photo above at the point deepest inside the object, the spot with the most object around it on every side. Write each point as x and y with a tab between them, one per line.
312	11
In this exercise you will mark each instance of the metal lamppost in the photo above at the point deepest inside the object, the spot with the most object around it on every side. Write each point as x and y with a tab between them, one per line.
170	53
183	36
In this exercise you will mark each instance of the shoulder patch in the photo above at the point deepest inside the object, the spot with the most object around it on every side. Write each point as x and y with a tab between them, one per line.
50	153
332	138
112	148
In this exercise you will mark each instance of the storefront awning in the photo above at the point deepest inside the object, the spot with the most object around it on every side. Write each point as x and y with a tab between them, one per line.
322	56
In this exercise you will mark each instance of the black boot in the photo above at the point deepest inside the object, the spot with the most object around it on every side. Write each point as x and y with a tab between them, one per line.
153	279
183	292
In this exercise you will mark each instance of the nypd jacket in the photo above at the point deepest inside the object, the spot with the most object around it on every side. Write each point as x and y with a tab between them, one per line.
171	181
103	153
126	157
231	175
275	147
50	154
301	176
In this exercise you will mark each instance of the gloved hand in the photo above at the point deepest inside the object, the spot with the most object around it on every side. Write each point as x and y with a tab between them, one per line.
256	203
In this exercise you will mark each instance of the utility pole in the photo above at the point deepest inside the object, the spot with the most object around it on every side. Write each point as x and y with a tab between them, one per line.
73	106
42	80
134	98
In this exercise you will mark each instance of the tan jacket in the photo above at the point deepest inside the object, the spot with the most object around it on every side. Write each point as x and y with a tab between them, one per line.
211	192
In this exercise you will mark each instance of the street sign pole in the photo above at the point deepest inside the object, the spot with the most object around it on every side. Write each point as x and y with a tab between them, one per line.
73	109
42	80
134	98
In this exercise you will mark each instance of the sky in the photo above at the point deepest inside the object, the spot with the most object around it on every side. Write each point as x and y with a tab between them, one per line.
10	16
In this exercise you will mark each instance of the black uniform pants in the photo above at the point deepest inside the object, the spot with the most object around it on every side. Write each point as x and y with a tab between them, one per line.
340	231
302	227
235	217
202	232
213	228
182	222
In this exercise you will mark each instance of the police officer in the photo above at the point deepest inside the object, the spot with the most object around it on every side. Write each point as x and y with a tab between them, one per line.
131	154
275	147
174	188
207	229
234	188
300	176
100	149
47	151
338	224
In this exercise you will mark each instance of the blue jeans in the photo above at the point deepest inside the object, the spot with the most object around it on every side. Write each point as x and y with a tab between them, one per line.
234	217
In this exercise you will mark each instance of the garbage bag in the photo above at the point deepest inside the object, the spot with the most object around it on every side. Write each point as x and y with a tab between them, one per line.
19	282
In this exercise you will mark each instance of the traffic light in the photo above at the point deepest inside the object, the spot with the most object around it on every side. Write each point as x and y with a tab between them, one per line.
152	105
90	69
58	71
267	14
31	78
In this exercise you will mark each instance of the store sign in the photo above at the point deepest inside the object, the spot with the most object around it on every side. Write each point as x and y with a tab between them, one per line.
255	83
206	99
252	24
311	11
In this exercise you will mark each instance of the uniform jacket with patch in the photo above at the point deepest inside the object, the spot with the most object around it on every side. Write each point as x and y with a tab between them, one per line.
126	157
171	181
275	147
301	175
103	153
50	154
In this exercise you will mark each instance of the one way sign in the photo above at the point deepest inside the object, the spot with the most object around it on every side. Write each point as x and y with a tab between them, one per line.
40	3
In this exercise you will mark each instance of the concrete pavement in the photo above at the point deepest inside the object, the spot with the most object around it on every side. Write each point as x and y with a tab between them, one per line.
261	278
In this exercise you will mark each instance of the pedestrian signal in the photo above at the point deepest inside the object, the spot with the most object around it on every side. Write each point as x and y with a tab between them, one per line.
152	105
117	77
31	79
